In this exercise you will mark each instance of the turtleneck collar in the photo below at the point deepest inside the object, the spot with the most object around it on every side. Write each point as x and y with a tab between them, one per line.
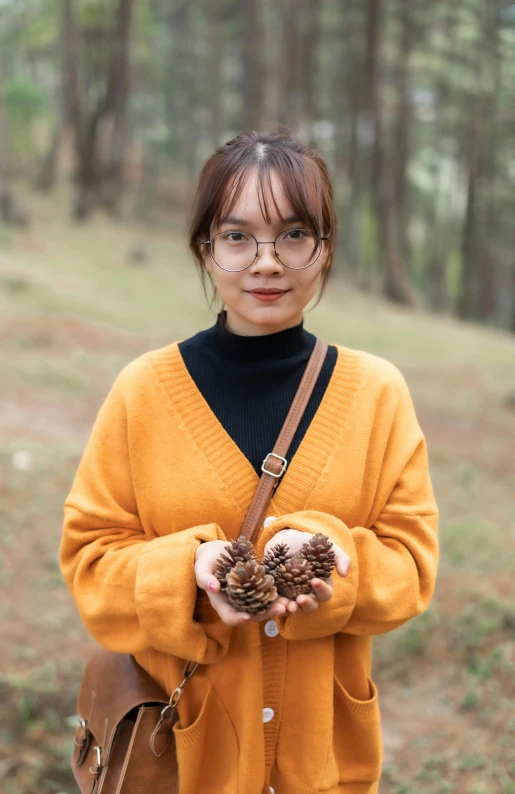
279	345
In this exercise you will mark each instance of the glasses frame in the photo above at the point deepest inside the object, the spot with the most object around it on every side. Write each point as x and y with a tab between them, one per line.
258	243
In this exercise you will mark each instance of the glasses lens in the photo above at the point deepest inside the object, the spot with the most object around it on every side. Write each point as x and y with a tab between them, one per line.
297	248
234	250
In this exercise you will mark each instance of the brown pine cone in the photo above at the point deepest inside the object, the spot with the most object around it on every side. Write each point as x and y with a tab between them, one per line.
236	551
294	577
320	555
249	588
275	557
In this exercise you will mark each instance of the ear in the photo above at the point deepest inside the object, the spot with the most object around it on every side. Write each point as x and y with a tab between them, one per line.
206	256
324	256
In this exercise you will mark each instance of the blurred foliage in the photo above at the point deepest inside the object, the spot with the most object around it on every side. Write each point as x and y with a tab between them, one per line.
432	90
25	102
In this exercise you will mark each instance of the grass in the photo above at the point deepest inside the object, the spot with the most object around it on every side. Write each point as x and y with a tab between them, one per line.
73	312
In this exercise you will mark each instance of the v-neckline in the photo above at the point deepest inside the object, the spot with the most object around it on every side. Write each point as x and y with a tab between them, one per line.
226	457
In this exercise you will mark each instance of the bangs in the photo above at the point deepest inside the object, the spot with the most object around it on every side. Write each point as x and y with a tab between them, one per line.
300	181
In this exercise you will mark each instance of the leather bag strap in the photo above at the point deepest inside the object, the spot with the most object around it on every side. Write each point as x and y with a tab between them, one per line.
275	462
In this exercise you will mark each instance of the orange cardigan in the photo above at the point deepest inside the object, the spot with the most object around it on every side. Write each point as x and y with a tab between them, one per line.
292	711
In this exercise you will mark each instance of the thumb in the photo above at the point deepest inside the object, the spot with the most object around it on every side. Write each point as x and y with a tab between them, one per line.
206	581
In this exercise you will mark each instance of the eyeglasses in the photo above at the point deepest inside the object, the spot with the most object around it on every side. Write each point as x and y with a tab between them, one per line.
235	251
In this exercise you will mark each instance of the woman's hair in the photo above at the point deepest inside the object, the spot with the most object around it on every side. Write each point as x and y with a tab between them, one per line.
305	180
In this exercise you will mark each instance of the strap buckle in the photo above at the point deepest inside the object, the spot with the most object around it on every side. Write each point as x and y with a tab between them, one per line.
271	473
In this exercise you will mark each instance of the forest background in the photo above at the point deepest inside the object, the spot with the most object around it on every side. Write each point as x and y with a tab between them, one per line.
107	111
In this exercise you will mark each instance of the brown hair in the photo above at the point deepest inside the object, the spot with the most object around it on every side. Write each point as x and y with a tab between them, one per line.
304	177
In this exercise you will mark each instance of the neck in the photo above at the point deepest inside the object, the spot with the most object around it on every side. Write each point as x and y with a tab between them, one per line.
282	344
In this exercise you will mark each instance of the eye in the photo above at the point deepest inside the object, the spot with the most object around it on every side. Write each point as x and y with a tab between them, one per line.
235	237
299	234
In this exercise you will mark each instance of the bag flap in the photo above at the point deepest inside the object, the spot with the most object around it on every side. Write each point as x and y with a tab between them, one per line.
113	684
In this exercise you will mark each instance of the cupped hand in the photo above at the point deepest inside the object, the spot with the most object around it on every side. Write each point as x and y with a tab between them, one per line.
206	557
322	588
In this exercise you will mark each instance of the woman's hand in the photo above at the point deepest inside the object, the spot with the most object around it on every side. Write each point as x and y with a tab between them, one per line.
322	588
206	557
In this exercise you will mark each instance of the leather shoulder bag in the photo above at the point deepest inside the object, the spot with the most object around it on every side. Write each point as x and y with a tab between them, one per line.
124	742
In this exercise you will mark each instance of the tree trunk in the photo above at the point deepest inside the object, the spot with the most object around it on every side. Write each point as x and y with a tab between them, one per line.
513	292
252	66
48	173
73	99
349	173
437	256
309	68
215	71
84	134
6	192
402	131
95	179
396	285
118	93
65	100
438	234
472	247
288	64
181	101
477	280
355	89
487	272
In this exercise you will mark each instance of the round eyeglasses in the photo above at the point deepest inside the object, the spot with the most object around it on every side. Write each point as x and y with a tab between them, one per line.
235	250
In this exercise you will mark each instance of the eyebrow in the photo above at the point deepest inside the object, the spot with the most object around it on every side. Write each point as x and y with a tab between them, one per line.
243	222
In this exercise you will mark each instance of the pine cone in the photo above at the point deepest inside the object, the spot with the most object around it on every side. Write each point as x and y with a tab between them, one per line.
275	557
240	550
320	555
294	577
249	588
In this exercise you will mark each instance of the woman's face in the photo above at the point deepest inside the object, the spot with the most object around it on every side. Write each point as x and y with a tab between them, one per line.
250	313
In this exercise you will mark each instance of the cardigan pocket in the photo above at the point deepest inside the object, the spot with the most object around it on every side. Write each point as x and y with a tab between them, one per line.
207	750
357	747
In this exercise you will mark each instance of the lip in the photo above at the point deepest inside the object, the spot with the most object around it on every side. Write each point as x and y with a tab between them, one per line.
267	295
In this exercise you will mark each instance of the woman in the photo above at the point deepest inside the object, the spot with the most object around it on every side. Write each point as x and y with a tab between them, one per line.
281	702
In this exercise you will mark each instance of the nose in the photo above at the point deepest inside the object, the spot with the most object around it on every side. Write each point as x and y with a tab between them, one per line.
266	261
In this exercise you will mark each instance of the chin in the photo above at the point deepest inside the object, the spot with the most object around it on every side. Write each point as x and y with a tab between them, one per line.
271	311
273	314
272	318
261	318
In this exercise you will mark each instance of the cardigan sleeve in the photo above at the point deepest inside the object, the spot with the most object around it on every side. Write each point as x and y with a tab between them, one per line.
393	566
133	591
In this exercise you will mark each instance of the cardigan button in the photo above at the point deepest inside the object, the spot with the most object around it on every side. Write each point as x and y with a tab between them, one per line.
272	790
268	521
271	628
268	715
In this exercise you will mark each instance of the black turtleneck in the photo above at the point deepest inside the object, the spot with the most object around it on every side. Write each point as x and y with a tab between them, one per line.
249	382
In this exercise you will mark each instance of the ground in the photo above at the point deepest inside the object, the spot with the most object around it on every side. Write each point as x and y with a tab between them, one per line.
74	309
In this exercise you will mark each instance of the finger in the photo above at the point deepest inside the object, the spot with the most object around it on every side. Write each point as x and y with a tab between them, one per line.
323	589
206	581
227	613
342	561
275	610
307	603
292	606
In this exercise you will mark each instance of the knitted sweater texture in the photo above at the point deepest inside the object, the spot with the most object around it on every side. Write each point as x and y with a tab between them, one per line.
297	711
